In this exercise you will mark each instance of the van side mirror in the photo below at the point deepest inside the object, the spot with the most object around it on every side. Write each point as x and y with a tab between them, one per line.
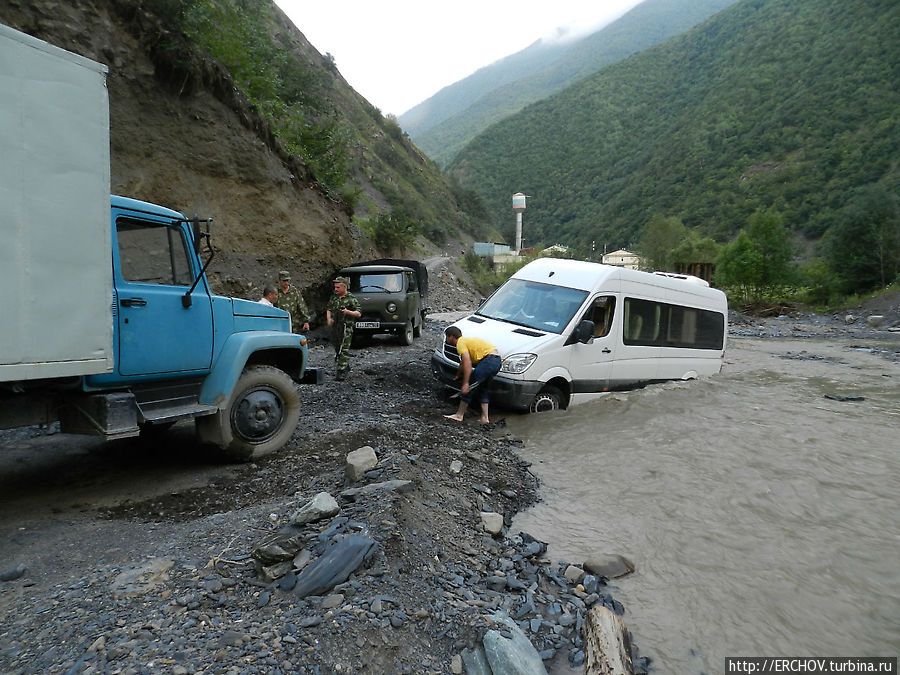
584	332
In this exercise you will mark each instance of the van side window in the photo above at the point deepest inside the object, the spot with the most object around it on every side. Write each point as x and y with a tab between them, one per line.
660	324
601	313
153	254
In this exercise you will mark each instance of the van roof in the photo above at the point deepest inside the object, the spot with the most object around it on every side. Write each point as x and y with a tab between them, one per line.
571	273
588	275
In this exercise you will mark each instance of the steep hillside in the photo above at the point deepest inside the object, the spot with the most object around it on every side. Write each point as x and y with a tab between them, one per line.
185	133
788	104
443	124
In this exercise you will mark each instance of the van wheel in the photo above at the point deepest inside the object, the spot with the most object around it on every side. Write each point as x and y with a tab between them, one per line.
548	400
406	337
262	413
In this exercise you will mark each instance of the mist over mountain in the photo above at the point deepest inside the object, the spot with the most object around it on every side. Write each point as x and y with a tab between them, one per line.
444	123
789	105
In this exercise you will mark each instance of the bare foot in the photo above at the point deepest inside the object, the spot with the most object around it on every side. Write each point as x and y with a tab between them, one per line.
482	421
455	418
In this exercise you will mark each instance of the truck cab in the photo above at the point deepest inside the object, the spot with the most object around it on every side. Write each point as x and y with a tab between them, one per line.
178	351
392	295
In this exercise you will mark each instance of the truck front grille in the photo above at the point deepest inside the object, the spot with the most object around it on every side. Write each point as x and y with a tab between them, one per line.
451	353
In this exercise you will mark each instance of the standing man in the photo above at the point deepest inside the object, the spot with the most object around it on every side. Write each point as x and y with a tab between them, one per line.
290	300
270	296
479	361
341	313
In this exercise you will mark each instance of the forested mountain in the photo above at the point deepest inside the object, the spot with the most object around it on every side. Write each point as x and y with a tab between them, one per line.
444	123
789	105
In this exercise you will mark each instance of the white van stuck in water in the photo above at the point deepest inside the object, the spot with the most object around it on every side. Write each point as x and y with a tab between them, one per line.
569	331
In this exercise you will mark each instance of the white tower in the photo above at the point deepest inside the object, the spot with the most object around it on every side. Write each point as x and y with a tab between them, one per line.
518	204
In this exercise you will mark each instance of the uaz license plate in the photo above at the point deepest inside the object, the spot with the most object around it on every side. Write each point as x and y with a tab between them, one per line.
368	324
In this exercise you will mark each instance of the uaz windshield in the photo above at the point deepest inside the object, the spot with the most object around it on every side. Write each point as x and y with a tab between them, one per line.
378	282
529	303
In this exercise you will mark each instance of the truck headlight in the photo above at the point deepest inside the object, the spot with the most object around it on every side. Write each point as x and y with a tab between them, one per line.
516	364
392	307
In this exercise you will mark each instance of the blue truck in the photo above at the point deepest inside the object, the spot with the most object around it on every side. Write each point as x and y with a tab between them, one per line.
107	322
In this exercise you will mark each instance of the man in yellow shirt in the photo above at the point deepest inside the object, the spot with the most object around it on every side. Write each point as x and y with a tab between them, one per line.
479	361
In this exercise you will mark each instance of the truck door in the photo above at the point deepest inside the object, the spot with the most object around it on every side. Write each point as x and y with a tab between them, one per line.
591	364
156	333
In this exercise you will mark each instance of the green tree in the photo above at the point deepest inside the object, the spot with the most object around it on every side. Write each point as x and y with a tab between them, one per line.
695	249
863	245
392	232
758	262
659	238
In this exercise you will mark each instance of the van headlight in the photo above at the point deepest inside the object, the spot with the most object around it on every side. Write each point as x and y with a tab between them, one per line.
392	307
516	364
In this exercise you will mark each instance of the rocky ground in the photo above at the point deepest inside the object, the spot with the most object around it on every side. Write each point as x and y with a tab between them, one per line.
143	556
169	583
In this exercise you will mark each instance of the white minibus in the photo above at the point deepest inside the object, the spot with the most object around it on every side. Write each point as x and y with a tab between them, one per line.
569	331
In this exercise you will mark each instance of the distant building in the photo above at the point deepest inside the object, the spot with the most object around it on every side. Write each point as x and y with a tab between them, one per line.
487	249
556	249
622	258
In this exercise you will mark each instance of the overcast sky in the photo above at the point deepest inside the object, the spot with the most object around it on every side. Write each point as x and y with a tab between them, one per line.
397	53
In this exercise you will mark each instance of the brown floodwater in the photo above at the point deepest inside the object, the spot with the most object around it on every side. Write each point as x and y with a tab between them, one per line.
761	515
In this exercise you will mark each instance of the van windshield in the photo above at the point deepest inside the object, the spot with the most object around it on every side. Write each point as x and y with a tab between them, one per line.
528	303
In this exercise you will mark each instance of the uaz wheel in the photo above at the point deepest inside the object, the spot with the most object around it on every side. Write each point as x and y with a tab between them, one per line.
406	337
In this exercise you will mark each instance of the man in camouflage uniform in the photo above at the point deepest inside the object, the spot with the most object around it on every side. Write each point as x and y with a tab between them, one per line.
341	313
290	300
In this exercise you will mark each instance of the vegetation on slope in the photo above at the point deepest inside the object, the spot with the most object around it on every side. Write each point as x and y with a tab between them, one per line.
788	106
361	156
443	125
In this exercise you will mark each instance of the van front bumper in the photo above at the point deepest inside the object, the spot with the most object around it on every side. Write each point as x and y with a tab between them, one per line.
507	393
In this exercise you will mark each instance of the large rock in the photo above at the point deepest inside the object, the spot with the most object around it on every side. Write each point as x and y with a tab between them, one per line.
142	578
323	505
277	548
335	566
492	522
513	655
400	486
608	565
359	461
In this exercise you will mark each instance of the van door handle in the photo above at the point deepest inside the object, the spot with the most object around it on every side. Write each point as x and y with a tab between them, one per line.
133	302
606	350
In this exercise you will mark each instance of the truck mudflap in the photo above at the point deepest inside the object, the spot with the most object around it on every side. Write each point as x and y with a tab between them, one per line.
313	376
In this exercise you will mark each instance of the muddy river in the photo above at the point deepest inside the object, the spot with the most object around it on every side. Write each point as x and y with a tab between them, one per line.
761	514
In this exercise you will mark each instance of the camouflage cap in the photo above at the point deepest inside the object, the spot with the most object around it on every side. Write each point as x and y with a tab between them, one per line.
342	280
284	275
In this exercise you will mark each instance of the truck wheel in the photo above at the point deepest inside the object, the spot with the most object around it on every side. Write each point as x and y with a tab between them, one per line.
406	337
262	413
547	400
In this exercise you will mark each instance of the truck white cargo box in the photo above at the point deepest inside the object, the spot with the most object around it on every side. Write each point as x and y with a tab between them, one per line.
55	260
